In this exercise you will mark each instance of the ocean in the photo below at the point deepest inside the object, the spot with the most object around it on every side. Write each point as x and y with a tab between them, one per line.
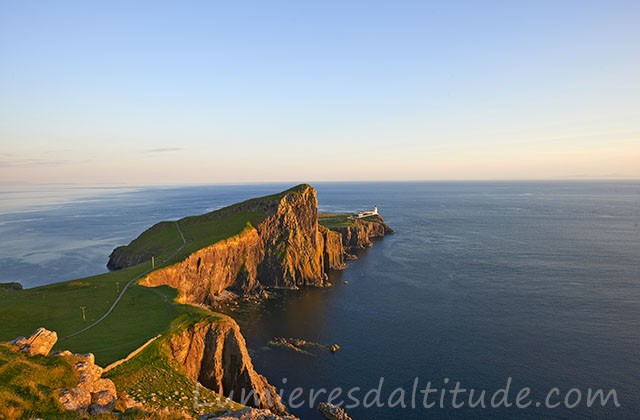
531	284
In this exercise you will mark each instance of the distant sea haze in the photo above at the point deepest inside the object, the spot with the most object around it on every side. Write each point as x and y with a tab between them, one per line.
483	281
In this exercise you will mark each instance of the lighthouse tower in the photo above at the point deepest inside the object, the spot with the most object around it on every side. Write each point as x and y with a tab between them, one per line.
375	209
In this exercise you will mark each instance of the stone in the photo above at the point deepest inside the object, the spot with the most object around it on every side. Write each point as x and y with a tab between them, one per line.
102	402
75	399
124	402
40	342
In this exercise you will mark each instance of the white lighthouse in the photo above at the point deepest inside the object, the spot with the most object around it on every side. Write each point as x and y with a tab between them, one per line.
368	213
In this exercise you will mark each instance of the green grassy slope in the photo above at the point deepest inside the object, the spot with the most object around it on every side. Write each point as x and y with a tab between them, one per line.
57	306
334	220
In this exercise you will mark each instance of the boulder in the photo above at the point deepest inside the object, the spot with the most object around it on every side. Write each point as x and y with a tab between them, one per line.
75	399
40	342
102	402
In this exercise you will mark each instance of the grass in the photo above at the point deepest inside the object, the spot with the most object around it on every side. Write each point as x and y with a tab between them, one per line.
58	306
141	314
334	221
160	240
29	384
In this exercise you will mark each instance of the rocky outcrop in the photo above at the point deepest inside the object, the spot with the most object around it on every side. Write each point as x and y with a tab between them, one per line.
205	274
360	234
332	412
10	287
215	355
248	414
40	342
93	394
334	252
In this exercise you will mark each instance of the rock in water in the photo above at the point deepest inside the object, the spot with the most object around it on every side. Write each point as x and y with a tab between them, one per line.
40	342
332	412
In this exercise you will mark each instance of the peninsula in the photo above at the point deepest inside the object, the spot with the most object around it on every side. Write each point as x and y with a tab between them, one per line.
148	322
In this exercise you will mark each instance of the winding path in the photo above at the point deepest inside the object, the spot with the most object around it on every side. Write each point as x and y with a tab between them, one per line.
124	289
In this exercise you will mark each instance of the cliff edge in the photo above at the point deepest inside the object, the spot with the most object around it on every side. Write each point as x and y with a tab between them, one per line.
278	243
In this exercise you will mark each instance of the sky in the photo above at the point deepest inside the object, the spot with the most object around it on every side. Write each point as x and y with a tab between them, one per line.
189	92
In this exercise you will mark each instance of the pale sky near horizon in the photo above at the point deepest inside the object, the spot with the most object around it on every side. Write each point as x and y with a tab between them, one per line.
152	92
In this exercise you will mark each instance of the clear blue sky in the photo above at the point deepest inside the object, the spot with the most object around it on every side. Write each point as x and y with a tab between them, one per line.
226	91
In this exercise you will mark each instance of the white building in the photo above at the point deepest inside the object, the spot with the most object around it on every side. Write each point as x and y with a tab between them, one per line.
367	213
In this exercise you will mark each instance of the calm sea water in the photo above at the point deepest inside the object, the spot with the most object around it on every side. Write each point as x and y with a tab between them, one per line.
538	282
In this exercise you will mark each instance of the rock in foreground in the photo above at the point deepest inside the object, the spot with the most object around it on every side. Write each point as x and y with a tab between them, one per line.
40	342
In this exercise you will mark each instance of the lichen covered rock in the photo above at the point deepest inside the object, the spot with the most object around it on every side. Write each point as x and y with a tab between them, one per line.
40	342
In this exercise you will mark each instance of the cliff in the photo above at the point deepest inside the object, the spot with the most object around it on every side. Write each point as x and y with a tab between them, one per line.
273	242
215	355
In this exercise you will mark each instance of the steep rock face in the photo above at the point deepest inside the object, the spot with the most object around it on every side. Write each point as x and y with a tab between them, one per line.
215	354
228	264
120	258
360	234
294	247
333	249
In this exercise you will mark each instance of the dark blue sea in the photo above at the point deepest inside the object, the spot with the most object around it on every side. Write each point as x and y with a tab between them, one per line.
483	281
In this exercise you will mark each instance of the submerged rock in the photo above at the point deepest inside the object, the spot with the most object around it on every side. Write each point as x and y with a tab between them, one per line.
298	345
